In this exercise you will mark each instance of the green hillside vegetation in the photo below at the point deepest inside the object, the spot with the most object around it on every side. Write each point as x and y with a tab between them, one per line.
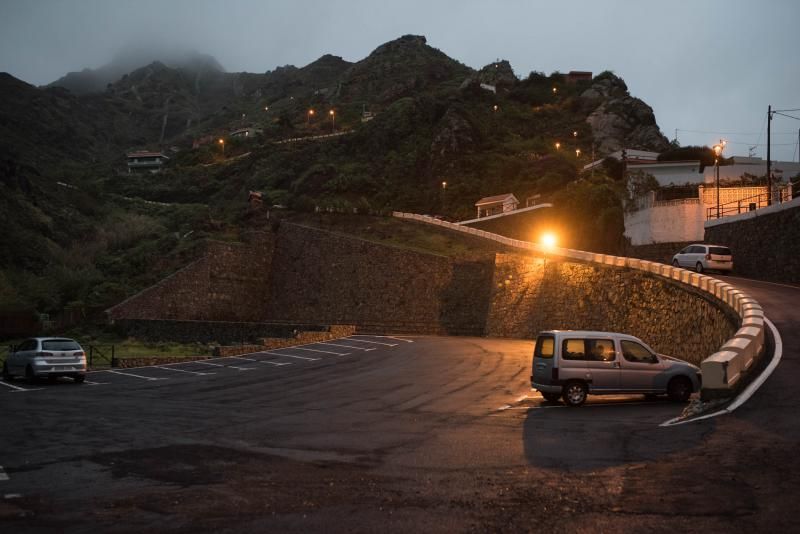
101	234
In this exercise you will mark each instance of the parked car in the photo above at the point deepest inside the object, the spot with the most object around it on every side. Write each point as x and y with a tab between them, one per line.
46	357
572	364
704	257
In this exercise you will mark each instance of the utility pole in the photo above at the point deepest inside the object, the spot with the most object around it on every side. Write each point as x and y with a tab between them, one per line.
769	155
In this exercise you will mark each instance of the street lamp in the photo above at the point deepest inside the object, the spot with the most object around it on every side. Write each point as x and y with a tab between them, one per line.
718	148
575	133
577	152
333	120
308	117
558	145
222	144
495	107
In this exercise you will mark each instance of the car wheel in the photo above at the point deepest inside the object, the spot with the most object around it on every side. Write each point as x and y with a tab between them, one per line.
79	379
679	389
699	267
30	376
574	393
551	397
675	263
6	375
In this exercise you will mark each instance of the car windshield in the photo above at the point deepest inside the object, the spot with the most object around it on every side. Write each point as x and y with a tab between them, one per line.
721	251
60	344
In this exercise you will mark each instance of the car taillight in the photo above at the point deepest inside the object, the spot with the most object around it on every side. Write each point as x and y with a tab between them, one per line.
708	256
555	373
77	354
44	354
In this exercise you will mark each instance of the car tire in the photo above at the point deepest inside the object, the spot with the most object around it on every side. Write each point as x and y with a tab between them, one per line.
79	379
679	389
574	393
675	263
551	397
30	376
699	268
6	375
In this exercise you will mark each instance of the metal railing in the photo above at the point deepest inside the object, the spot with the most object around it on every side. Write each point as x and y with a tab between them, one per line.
746	204
95	353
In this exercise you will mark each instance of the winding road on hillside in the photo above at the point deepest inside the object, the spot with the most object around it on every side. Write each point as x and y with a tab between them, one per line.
395	434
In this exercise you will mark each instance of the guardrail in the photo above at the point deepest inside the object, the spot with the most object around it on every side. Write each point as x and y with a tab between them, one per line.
722	371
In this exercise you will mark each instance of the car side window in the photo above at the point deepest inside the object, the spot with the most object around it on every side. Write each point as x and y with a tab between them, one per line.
28	344
602	350
573	349
685	251
545	346
636	353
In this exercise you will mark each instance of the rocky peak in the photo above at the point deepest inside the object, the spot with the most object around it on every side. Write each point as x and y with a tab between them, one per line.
619	120
498	73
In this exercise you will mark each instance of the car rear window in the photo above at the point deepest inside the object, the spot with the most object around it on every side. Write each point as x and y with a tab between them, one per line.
721	251
545	347
60	344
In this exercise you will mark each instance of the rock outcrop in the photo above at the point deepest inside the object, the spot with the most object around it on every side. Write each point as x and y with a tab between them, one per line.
620	120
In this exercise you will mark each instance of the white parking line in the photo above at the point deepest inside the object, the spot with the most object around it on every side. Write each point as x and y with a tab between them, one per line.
134	375
181	370
3	475
12	386
293	356
90	383
384	337
323	351
373	342
260	361
344	346
226	366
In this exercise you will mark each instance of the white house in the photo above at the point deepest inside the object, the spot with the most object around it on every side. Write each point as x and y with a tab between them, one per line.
497	204
144	162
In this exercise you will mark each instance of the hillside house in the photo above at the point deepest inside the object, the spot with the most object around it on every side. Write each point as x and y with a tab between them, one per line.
146	162
575	76
496	205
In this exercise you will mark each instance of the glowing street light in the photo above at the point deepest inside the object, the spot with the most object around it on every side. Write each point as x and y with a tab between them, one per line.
575	133
309	115
718	148
549	241
444	185
222	145
495	107
555	90
577	152
266	108
558	145
333	119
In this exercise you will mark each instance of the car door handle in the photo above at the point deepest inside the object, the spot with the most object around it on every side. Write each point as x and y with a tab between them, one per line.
615	365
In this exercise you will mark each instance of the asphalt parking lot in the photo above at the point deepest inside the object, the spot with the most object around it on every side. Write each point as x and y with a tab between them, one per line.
342	435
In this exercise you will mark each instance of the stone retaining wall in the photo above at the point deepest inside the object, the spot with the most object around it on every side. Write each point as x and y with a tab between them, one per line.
334	279
531	294
302	338
229	283
208	331
765	246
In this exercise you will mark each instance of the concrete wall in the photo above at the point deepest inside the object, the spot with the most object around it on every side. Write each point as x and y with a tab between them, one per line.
765	243
669	222
531	295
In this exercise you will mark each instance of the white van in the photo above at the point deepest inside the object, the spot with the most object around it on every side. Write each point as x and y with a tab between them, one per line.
572	364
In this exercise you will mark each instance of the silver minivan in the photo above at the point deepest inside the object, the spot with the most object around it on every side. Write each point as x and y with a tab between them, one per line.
572	364
46	357
704	257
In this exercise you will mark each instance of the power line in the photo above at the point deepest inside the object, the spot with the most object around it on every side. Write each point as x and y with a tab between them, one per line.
735	133
785	115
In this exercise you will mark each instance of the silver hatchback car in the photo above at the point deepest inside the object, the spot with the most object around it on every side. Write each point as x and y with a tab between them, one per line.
572	364
46	357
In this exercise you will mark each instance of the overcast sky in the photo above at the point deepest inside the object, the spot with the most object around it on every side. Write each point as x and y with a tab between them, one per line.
708	68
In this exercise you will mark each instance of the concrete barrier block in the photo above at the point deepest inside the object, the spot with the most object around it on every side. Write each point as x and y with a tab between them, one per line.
744	347
655	268
676	274
720	370
754	334
598	258
666	271
619	261
754	312
694	279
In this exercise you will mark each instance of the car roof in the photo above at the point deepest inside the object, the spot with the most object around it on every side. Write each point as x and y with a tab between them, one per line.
594	333
53	339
